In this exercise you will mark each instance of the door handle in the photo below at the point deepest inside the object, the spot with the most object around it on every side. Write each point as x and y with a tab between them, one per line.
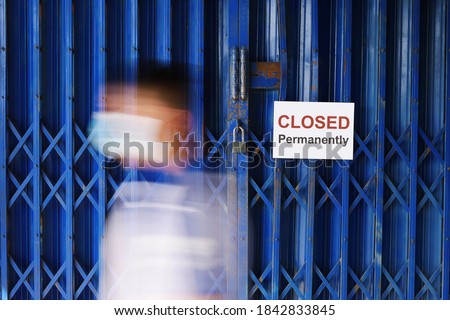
239	73
234	78
243	66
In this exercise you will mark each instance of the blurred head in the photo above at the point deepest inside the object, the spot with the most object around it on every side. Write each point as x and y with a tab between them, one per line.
151	110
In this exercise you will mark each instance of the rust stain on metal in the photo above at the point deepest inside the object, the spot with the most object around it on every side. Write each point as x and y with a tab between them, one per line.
266	69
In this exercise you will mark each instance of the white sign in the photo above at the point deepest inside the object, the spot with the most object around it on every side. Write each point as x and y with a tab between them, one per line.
313	130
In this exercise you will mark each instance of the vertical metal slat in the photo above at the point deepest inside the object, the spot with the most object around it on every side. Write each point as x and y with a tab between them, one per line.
381	105
195	58
97	90
446	223
34	95
311	92
3	158
342	84
278	162
230	40
242	169
163	32
130	58
414	148
66	103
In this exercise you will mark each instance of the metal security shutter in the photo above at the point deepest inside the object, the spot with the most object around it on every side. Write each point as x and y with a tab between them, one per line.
377	227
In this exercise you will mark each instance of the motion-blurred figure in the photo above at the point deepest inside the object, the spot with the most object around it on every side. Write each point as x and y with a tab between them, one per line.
161	239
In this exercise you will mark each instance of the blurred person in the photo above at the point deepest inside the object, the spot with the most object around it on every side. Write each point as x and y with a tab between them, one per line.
161	241
141	121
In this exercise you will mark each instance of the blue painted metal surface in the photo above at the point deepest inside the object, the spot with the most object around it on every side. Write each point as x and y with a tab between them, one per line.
446	236
331	255
3	158
431	163
363	264
10	257
241	161
230	107
379	44
57	154
99	78
66	100
34	109
281	16
415	19
377	227
262	199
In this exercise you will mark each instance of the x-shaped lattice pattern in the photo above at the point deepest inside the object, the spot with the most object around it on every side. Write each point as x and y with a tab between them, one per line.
260	194
429	196
293	198
362	281
217	189
21	145
394	153
22	139
86	273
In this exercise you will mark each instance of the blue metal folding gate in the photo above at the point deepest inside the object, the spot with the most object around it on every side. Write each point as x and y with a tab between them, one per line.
377	227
